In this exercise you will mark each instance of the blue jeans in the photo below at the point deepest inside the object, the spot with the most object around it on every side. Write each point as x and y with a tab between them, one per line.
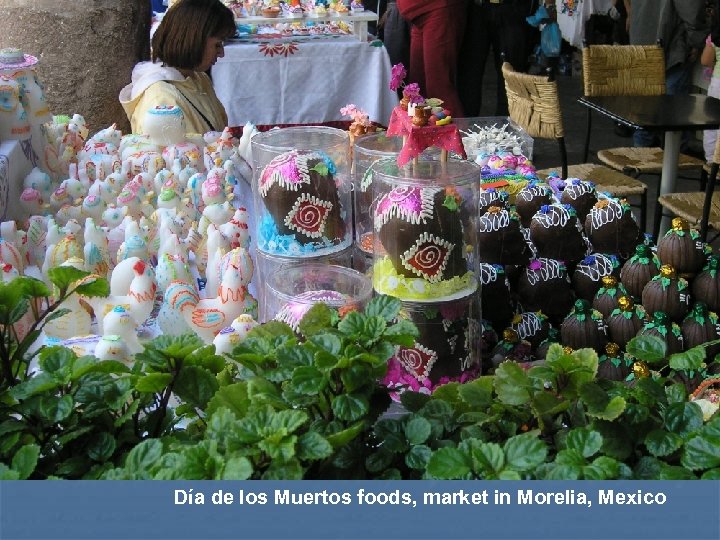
677	81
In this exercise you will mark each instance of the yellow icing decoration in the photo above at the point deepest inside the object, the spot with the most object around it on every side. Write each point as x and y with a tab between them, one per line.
386	280
625	303
612	349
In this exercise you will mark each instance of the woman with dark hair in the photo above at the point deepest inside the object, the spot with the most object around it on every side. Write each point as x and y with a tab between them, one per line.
185	46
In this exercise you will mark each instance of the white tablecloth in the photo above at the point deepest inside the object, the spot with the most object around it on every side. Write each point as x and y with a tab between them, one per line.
303	82
572	14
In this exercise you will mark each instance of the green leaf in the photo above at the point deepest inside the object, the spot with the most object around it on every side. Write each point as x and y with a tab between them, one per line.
418	457
153	383
56	359
392	434
683	418
101	447
56	409
237	468
668	472
144	455
614	409
279	448
37	384
292	357
25	460
417	430
98	287
584	441
379	460
195	385
18	310
352	324
308	380
383	306
525	452
403	332
233	396
662	443
677	393
414	401
287	421
650	349
571	458
602	468
712	474
449	464
350	407
316	321
31	287
701	453
64	276
487	458
512	384
313	446
355	377
327	342
7	473
477	394
689	360
374	328
292	470
344	437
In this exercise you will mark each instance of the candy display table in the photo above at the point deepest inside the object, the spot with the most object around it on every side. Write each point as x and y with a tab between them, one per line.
303	82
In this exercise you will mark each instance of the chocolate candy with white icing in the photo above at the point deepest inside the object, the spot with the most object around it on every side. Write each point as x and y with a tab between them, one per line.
544	285
533	327
500	238
497	306
611	228
682	248
556	234
530	199
588	274
579	194
625	321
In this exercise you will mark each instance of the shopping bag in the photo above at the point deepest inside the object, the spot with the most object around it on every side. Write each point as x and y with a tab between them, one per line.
550	39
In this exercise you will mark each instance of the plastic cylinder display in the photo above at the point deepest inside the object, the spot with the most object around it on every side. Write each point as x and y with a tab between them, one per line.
366	151
424	223
267	266
291	293
302	190
447	347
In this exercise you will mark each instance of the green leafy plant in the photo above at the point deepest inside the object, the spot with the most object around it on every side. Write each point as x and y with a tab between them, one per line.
301	406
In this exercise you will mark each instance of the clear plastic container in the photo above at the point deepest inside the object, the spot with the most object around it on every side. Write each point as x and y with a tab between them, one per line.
448	345
292	292
267	267
424	225
491	134
301	191
366	151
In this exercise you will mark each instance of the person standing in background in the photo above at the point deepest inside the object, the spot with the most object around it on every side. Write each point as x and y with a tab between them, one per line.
682	27
436	32
394	31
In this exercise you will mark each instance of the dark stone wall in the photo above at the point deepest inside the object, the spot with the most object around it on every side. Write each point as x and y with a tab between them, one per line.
86	48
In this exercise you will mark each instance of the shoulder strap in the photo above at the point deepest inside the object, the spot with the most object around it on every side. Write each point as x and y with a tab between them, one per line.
210	125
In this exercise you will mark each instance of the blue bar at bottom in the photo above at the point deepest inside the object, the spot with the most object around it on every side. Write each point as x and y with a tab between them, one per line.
354	509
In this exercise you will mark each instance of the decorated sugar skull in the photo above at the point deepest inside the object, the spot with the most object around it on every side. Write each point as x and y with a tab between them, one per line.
165	125
14	122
